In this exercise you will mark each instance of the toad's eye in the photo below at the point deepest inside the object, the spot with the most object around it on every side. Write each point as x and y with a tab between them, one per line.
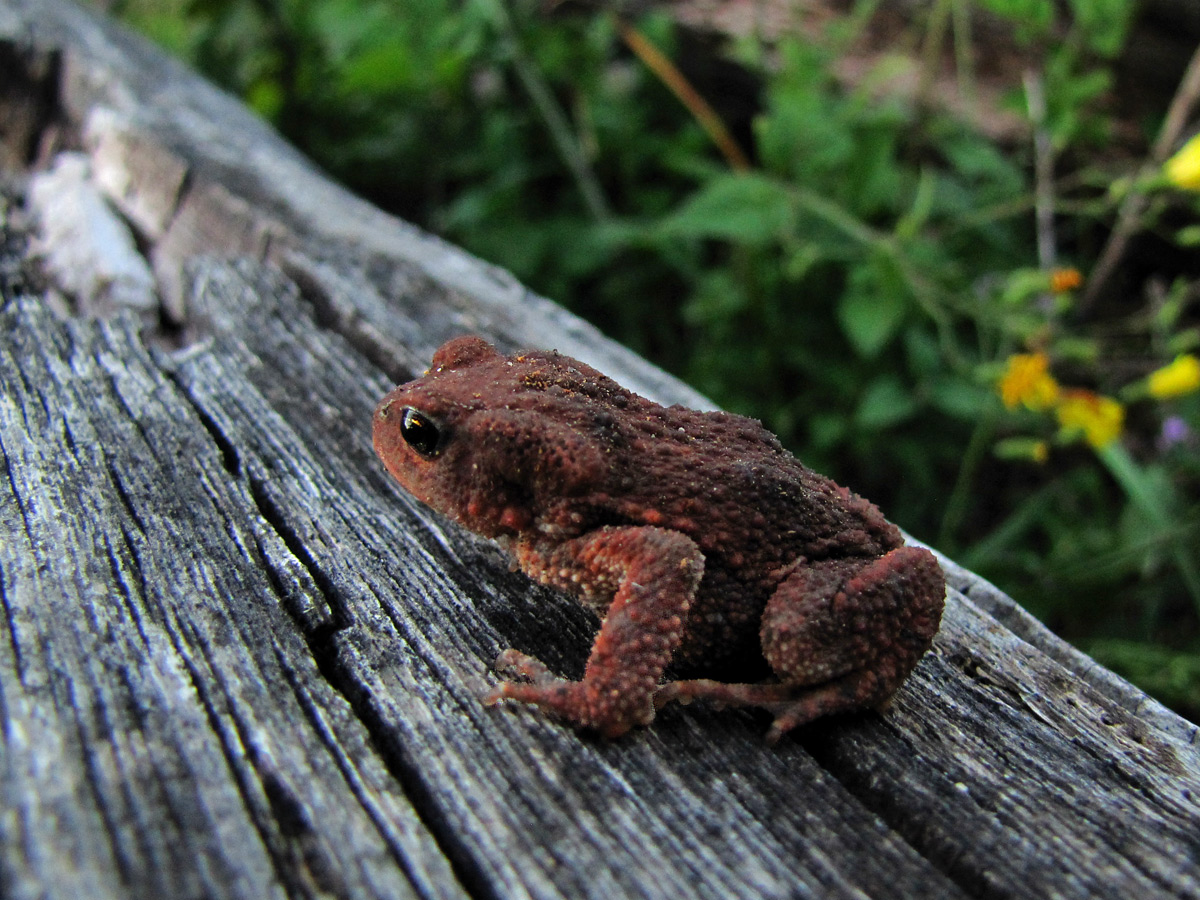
421	433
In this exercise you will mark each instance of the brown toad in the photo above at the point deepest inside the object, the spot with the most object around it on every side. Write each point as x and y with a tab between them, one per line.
701	542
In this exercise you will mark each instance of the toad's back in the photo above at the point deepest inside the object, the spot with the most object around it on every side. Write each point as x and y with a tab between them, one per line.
729	484
754	510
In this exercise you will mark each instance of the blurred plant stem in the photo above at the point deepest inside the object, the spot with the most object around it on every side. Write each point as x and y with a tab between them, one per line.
1043	169
568	147
962	495
1157	510
1134	205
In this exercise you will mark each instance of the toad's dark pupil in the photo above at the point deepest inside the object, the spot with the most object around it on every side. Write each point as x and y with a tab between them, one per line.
420	432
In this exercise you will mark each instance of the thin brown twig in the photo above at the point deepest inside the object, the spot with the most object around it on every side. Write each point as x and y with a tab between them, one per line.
677	84
931	51
1136	201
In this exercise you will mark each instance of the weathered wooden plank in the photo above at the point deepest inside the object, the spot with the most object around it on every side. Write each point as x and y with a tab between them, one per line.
334	589
462	642
167	731
237	661
282	443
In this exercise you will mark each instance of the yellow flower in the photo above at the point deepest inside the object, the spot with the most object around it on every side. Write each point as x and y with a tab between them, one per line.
1183	169
1098	418
1063	280
1180	377
1027	380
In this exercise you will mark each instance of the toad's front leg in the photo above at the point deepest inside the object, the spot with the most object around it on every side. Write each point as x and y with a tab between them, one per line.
651	576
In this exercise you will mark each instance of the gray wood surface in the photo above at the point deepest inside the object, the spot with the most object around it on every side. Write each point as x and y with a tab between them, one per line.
236	661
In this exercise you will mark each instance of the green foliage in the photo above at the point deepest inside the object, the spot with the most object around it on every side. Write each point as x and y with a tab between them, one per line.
862	288
1171	676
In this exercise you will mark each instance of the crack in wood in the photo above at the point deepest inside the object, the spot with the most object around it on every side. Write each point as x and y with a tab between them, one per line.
13	642
395	756
398	762
321	639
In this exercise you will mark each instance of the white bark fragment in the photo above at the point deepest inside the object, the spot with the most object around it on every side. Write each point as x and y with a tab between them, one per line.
88	250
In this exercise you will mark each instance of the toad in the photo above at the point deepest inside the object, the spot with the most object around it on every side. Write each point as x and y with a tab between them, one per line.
710	553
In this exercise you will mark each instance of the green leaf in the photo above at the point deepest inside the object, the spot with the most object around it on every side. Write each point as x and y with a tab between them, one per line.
378	70
1033	17
1106	23
910	224
718	298
959	398
266	98
1022	449
826	430
871	310
1023	285
742	207
885	403
922	352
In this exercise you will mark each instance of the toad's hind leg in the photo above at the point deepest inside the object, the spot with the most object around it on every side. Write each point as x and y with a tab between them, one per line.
839	634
